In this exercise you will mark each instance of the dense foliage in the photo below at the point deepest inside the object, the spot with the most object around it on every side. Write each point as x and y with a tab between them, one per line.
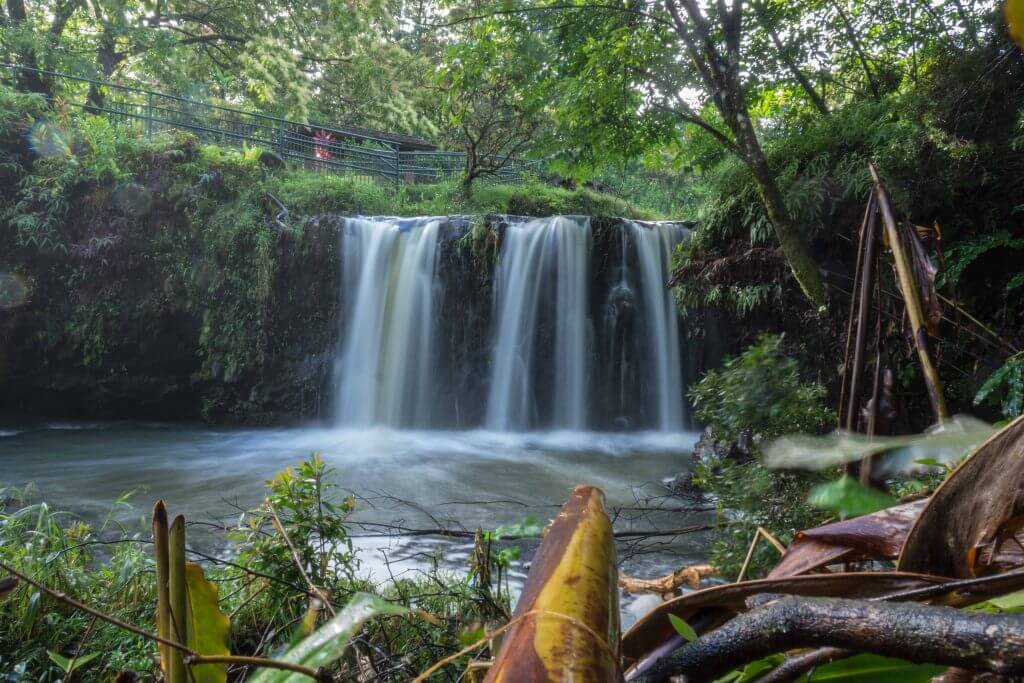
121	232
755	396
760	392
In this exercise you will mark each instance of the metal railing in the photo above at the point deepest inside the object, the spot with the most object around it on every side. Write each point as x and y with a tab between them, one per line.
319	147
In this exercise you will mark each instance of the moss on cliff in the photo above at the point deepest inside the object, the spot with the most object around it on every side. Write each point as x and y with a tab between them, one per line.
173	278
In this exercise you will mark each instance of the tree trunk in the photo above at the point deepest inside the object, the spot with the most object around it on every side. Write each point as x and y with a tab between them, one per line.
720	72
805	270
28	81
108	59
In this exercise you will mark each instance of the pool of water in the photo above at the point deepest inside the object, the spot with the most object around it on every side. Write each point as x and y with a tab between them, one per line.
402	480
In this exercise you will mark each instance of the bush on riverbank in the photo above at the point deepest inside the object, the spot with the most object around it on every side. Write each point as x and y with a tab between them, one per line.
756	396
110	567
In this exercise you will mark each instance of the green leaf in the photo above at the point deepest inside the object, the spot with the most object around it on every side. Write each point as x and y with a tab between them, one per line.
530	527
875	669
753	670
471	636
327	644
85	659
682	628
68	665
60	660
1014	602
209	628
848	498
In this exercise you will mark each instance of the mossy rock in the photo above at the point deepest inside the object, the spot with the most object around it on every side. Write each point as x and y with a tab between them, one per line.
271	160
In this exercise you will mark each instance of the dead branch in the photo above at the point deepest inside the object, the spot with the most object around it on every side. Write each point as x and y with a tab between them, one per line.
668	585
922	634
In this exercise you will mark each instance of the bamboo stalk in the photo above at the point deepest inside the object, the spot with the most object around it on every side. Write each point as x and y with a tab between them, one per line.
776	543
866	287
160	557
850	317
178	599
905	274
749	557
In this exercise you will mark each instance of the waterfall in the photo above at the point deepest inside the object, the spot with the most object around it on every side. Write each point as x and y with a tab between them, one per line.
655	243
385	369
571	328
540	259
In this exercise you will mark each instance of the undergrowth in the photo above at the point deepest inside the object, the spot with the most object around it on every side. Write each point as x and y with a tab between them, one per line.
756	396
109	566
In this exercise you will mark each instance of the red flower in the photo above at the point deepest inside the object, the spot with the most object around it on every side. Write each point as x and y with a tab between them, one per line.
324	138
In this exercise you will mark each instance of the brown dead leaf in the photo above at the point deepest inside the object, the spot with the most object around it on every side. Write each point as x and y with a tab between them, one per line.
968	527
924	277
879	536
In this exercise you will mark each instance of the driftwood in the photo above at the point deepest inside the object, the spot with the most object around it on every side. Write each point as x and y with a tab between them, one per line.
922	634
669	584
710	607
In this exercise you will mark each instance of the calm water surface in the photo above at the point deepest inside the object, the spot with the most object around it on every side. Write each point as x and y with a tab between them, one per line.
417	480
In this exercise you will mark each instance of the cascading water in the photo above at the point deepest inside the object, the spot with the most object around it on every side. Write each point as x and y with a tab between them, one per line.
655	243
540	257
583	331
385	371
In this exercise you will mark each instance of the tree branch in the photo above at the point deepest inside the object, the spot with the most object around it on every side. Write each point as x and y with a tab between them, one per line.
922	634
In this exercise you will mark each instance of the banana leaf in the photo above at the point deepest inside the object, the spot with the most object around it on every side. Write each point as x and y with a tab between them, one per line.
566	624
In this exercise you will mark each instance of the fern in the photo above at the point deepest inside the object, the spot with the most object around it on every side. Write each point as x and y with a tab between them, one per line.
963	254
1005	388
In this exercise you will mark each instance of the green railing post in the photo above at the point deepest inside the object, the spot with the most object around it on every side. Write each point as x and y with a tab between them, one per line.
398	169
149	115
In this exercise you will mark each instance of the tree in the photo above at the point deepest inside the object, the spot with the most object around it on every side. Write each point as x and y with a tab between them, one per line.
485	104
634	75
296	59
634	78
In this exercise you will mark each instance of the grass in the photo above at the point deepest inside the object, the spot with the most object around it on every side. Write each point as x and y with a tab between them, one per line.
309	194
